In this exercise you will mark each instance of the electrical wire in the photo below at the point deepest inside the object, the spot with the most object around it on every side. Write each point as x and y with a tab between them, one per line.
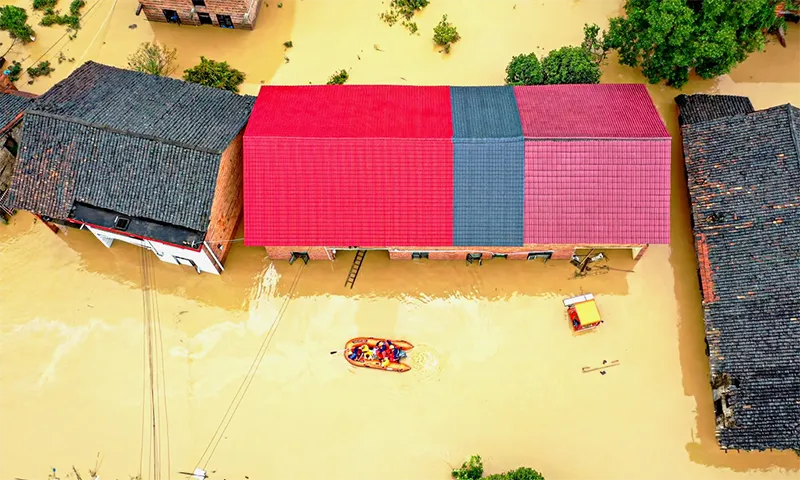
237	399
98	2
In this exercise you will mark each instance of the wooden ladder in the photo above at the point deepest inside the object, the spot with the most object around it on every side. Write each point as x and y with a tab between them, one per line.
355	268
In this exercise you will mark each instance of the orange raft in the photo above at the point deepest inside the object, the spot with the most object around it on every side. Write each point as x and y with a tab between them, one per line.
372	343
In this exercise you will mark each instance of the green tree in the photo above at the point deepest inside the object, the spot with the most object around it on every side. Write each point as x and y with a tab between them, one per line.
339	77
445	34
13	20
472	469
215	74
569	65
524	70
669	38
153	58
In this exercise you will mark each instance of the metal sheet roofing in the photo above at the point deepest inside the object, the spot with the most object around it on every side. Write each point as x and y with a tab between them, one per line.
613	192
485	112
588	111
352	111
743	173
489	194
349	165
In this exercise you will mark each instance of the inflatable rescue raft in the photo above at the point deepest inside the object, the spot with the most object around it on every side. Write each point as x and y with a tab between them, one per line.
370	361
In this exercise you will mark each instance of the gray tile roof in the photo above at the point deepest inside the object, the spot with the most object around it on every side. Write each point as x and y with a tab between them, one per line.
10	106
743	176
701	107
133	143
489	167
485	112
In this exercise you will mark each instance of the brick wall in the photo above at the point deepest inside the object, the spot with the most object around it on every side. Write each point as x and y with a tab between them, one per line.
560	252
226	210
153	10
314	253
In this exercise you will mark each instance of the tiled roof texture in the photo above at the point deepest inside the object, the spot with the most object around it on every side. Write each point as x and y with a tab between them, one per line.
348	192
11	106
349	165
352	111
485	112
489	167
121	140
598	192
489	194
701	107
136	103
743	176
588	111
63	162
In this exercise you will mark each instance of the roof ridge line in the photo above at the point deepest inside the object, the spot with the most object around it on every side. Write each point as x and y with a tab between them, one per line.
122	132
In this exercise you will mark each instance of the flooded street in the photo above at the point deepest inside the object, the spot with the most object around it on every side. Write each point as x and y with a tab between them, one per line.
497	371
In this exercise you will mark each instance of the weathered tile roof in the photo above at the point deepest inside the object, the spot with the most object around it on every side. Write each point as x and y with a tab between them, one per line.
11	106
137	144
701	107
744	182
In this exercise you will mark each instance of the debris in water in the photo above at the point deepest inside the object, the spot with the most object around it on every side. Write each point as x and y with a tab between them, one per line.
403	79
377	47
133	26
359	57
602	372
605	361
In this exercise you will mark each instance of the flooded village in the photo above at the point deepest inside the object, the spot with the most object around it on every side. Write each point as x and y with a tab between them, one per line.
229	362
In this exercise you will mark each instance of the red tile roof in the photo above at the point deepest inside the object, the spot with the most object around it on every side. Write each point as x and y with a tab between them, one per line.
352	111
349	166
588	111
597	192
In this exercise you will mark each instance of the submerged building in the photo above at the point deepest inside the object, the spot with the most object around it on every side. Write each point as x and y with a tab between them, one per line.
455	172
743	174
12	106
240	14
147	160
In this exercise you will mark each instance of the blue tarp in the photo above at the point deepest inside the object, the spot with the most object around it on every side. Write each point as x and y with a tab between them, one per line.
489	167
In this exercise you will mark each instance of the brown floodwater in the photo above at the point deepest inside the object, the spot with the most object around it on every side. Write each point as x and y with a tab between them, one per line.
497	371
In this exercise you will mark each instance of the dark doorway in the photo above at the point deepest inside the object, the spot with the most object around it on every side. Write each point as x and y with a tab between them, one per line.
225	21
171	16
205	19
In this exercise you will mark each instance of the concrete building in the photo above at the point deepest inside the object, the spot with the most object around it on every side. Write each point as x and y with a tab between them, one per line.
455	172
147	160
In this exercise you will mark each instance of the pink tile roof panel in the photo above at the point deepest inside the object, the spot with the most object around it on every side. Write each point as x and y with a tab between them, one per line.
588	111
352	111
597	192
348	192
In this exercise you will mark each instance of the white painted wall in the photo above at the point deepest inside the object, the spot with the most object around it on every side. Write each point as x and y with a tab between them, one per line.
166	253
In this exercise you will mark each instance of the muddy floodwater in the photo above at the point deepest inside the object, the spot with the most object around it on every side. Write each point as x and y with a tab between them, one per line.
496	372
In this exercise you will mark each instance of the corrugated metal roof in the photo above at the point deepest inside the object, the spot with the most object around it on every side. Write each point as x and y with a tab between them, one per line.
598	192
352	111
489	194
485	112
588	111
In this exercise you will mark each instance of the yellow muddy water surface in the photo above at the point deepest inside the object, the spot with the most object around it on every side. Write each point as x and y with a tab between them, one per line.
496	369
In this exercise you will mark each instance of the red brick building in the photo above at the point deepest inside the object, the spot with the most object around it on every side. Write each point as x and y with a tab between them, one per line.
447	172
239	14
